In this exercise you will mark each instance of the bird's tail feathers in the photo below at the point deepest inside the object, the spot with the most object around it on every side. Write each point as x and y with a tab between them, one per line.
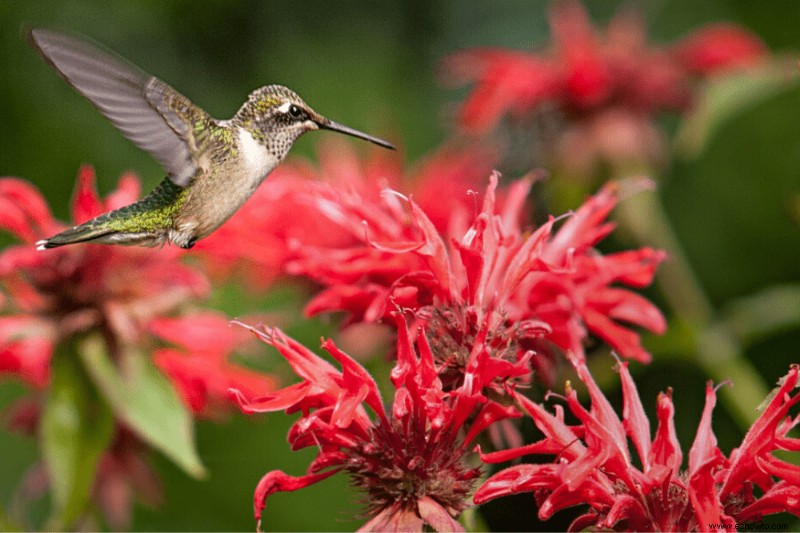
84	233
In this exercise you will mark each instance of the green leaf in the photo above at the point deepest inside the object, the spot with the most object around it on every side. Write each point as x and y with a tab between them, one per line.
727	96
76	428
144	399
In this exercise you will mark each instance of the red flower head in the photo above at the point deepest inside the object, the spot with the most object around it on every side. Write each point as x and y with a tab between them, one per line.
410	462
60	292
117	296
293	214
594	464
530	290
607	87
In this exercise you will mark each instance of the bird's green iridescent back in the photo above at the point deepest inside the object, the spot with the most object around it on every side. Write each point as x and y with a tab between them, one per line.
152	213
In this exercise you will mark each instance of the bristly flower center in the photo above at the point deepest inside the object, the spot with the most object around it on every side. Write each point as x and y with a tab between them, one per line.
452	333
403	465
674	511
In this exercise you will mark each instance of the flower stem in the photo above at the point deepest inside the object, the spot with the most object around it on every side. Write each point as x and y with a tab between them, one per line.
717	350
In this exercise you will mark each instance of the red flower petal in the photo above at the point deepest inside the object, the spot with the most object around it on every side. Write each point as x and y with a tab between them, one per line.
284	400
86	203
666	450
634	419
704	496
782	497
436	516
761	436
587	80
277	481
704	449
718	47
23	210
395	518
200	332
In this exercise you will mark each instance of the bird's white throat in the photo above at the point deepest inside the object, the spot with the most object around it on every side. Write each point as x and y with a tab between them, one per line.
256	158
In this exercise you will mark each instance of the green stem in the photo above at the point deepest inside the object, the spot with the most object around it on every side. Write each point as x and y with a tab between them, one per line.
717	349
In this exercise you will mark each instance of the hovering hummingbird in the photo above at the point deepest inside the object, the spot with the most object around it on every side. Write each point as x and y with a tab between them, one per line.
213	166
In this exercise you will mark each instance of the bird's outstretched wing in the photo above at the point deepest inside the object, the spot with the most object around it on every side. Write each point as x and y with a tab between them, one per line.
146	110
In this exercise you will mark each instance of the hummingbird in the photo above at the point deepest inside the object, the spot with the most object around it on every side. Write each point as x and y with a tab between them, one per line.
213	166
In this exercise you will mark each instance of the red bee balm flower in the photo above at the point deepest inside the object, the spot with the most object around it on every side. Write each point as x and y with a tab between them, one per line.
118	296
584	71
409	463
594	464
202	372
60	292
607	87
550	285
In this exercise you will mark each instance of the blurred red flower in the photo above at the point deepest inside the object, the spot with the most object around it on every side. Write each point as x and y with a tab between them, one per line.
607	87
409	463
594	464
201	369
55	294
123	295
124	474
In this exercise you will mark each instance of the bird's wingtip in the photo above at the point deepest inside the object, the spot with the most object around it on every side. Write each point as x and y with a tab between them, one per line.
28	33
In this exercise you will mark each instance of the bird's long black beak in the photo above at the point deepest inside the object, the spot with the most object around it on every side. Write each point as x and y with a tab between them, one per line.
327	124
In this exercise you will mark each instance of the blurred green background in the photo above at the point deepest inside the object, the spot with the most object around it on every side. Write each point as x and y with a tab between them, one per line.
371	65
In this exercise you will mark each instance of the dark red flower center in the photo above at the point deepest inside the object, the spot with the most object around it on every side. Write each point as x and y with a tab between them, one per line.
401	465
452	333
671	511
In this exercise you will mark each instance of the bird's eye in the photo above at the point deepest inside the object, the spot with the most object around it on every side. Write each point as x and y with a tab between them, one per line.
295	112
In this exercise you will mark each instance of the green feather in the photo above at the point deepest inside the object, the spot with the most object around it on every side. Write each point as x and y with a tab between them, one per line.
150	215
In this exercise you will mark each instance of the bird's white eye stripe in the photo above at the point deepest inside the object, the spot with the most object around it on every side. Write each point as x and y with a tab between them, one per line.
293	111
